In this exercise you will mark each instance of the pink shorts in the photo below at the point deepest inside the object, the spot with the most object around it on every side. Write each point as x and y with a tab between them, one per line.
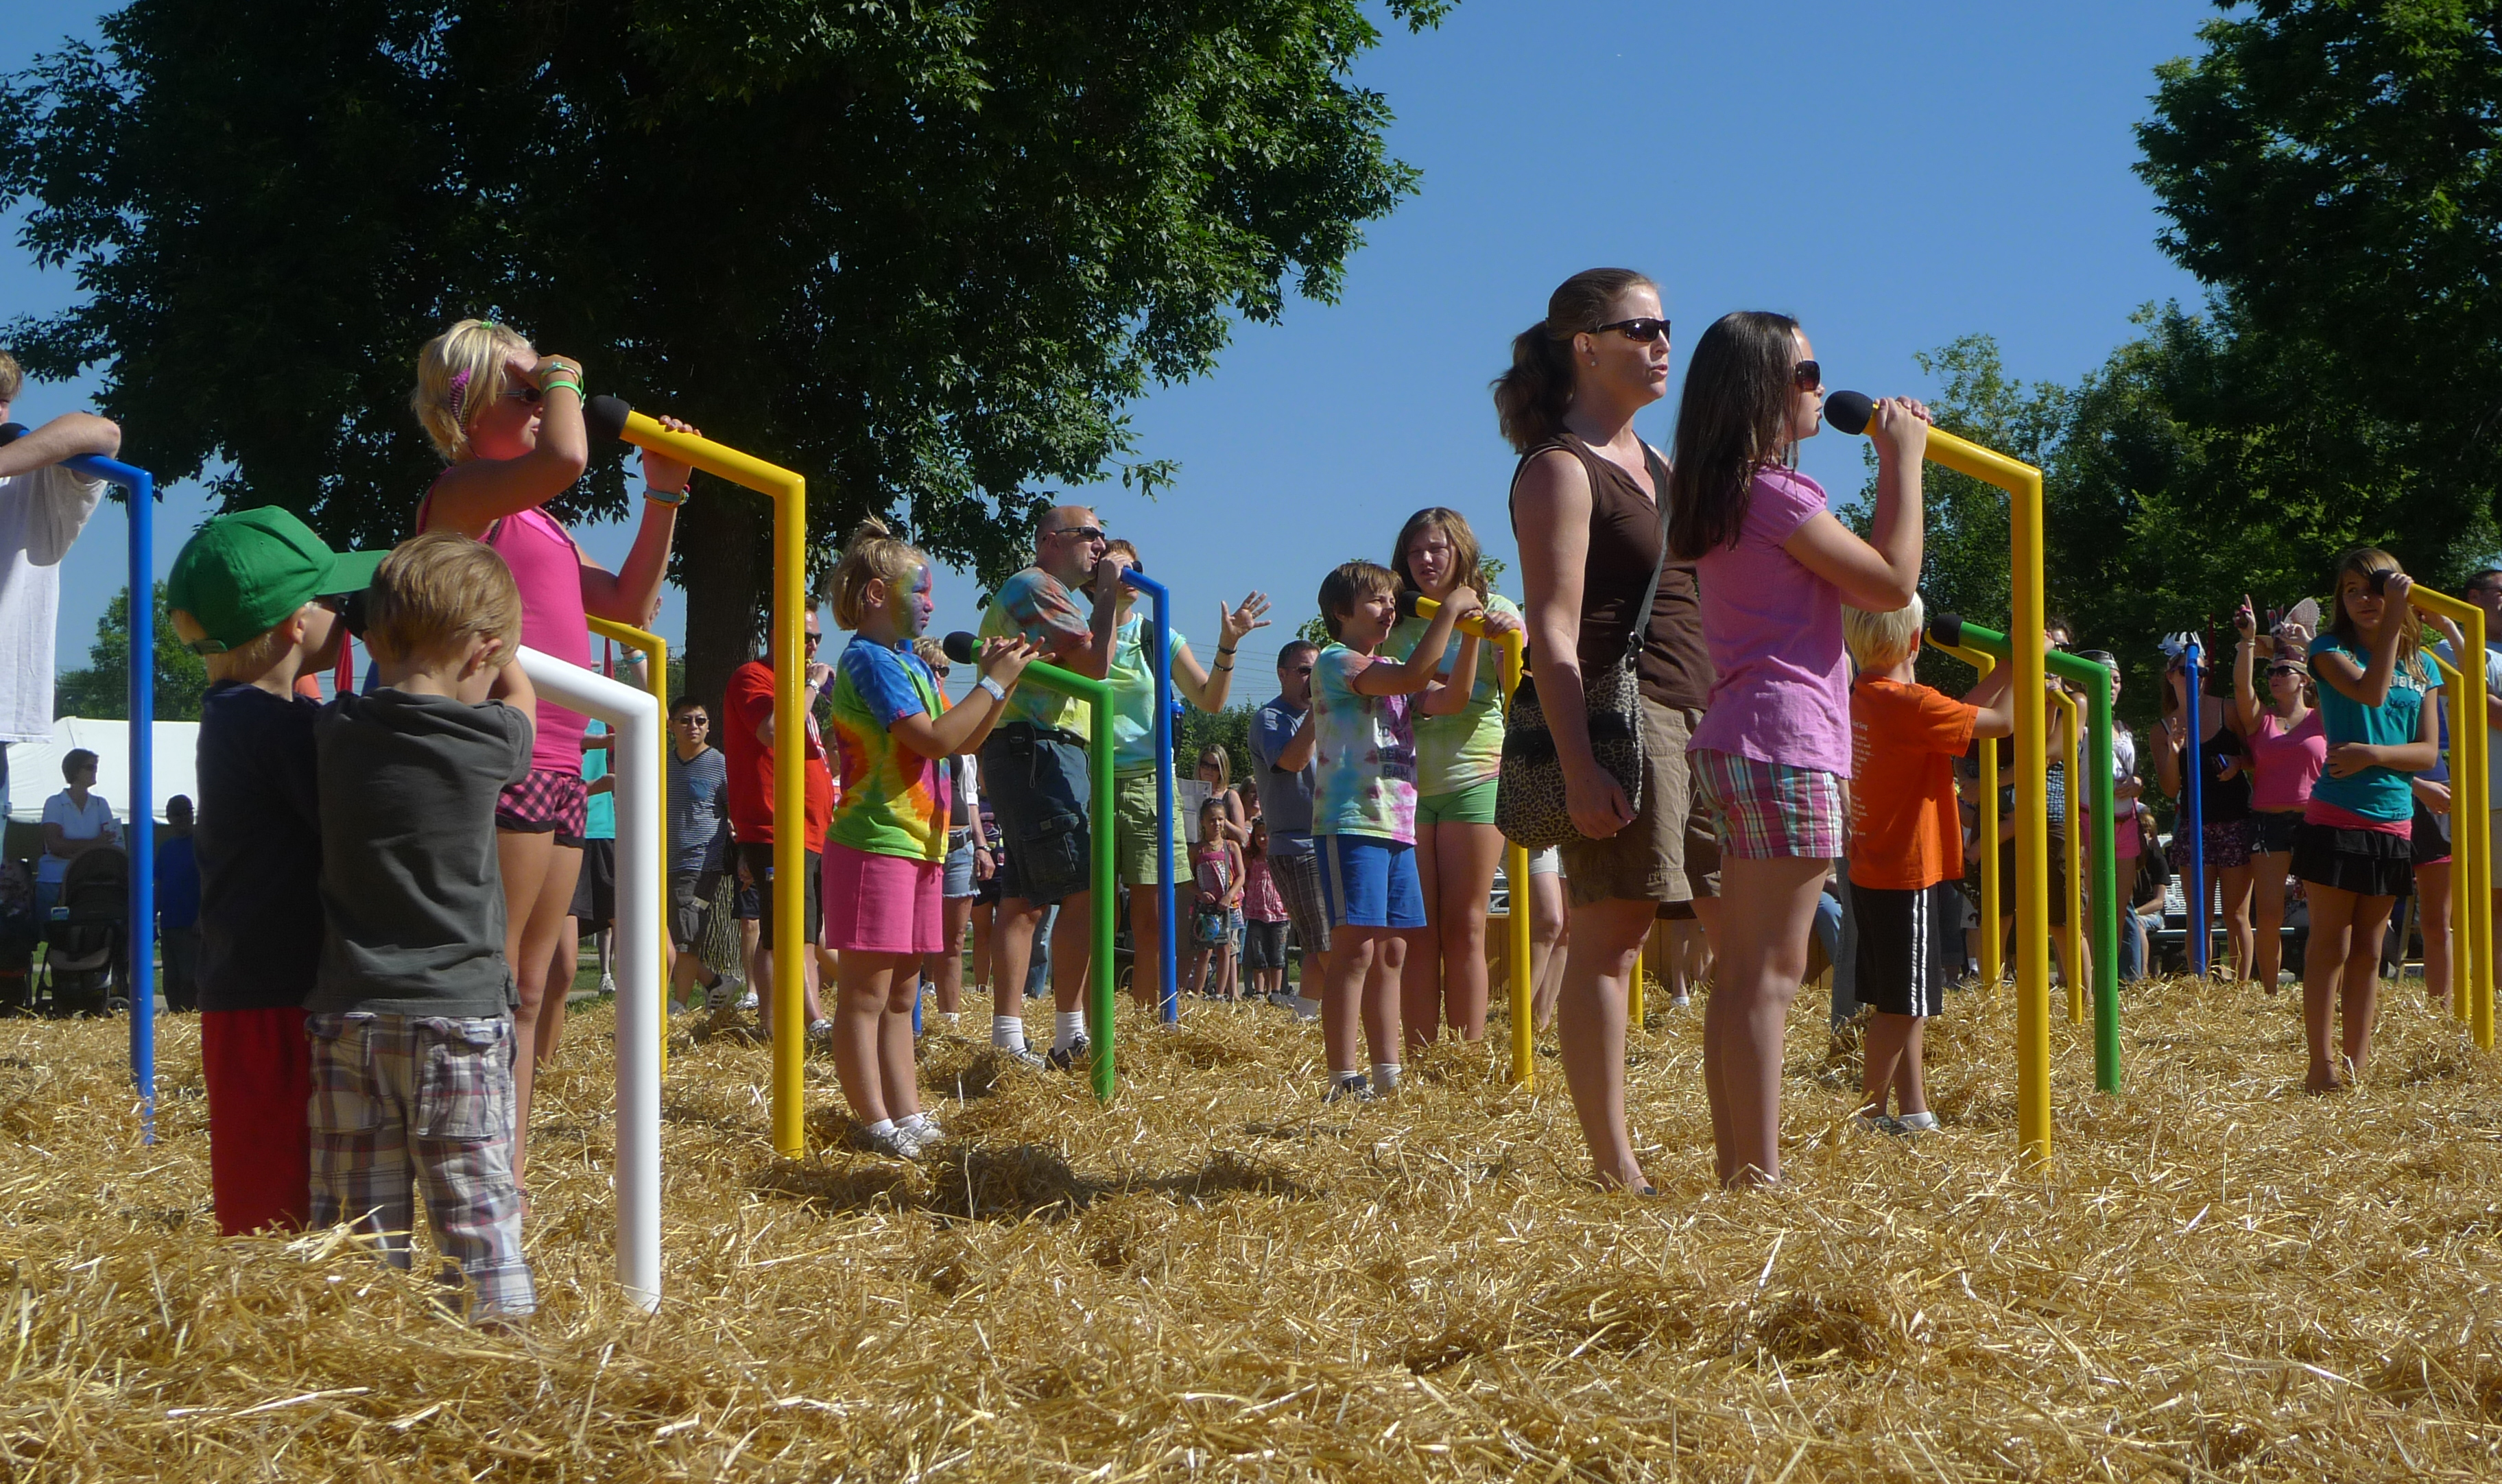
883	905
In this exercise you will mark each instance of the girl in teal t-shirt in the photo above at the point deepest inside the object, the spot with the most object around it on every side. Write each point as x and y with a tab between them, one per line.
2352	848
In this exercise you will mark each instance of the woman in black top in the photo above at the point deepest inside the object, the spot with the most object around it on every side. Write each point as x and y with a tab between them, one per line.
2223	803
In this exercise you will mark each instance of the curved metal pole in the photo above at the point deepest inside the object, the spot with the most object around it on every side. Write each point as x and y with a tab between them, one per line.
789	495
2471	785
656	655
140	491
2072	936
1168	939
2193	770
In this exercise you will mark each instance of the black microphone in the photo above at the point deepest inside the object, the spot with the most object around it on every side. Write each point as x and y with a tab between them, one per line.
1407	598
1946	627
960	647
11	432
1850	411
606	416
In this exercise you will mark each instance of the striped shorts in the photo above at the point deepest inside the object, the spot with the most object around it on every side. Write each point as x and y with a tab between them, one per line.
402	1099
1769	811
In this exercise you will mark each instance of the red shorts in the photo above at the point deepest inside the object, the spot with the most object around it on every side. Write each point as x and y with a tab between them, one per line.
260	1072
883	905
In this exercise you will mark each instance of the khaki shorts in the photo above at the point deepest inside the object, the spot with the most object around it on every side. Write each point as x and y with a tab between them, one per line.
1133	834
1668	854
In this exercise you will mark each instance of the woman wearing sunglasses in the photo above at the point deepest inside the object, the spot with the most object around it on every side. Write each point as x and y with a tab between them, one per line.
2288	748
1585	508
1774	750
508	424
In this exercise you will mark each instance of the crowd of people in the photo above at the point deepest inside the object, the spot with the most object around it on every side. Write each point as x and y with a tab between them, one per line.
1721	727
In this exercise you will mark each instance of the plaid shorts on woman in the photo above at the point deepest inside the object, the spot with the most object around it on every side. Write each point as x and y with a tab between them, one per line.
401	1099
1770	811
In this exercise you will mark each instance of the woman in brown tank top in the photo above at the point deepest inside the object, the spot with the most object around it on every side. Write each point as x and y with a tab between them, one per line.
1585	511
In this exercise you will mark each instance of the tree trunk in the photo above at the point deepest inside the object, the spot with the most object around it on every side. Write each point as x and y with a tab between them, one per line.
725	564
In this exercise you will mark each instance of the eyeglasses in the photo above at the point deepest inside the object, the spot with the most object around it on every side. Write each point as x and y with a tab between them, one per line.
939	670
2283	669
1090	534
694	719
1644	330
1301	669
815	637
1807	376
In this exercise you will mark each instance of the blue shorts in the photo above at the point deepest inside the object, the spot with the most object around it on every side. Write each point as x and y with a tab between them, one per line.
1368	881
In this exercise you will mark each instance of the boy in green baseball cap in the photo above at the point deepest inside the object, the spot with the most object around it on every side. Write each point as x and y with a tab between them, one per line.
260	596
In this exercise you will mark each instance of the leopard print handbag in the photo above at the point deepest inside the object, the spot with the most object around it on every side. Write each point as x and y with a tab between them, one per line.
1528	805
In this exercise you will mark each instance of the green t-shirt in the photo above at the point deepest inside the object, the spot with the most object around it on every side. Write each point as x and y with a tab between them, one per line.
1034	604
1134	696
1464	750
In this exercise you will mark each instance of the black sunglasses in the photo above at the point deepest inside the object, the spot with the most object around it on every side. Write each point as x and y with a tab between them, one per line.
525	392
1086	533
2275	670
1644	329
1807	376
694	719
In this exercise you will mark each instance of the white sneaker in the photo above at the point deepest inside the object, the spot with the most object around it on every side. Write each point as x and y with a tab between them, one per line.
895	1143
1916	1122
747	1002
924	1127
1023	1056
608	984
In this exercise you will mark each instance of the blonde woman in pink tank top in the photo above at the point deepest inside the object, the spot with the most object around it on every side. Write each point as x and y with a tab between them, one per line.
508	422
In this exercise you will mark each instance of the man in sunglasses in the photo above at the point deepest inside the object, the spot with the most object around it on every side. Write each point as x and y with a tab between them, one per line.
698	788
1286	802
1033	768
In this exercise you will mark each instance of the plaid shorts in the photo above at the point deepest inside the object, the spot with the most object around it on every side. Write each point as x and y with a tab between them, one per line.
1299	884
400	1099
1769	811
545	800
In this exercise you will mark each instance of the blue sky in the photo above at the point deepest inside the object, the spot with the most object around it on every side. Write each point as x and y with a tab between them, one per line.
1894	177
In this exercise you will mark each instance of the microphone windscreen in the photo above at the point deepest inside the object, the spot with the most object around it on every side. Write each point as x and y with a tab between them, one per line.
960	647
1850	411
11	432
1945	628
1407	598
606	416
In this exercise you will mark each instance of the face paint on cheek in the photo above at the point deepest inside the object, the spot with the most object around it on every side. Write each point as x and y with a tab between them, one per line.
919	606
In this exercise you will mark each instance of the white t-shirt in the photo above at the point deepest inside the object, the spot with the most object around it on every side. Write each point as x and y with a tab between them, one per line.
97	818
40	515
2494	738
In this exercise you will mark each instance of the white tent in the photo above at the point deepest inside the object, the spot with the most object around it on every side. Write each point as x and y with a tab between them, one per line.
35	768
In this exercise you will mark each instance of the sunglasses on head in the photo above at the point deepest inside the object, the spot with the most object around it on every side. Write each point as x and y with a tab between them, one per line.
1807	376
1644	329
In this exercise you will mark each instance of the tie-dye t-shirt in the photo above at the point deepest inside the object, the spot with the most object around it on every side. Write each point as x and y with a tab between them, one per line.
1032	603
1365	753
894	799
1457	752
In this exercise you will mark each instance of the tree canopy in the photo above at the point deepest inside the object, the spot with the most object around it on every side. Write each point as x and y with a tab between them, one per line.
925	256
101	691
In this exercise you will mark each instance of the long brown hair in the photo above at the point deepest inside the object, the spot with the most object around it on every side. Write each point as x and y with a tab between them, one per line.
1467	557
1733	420
2362	561
1531	398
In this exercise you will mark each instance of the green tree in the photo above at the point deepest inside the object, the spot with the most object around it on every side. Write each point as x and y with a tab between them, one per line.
102	691
2333	171
925	254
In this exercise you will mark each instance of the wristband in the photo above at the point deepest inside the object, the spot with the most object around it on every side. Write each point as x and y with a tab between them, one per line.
671	498
553	382
998	690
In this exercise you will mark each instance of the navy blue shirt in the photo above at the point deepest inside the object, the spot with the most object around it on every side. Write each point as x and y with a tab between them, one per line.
178	882
258	847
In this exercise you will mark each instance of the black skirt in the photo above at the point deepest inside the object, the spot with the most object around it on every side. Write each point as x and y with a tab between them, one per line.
2368	863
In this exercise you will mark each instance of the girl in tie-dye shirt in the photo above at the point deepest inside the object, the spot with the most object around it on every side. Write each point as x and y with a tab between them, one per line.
1363	804
885	855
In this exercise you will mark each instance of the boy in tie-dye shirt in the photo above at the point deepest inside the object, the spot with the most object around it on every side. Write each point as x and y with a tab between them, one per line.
1363	806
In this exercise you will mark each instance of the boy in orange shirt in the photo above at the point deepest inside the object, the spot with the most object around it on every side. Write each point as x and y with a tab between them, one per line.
1906	838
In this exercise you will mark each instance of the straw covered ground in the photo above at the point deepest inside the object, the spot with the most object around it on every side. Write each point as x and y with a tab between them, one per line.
1218	1277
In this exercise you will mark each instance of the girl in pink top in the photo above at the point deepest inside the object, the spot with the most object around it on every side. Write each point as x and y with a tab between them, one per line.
2288	748
1775	744
508	422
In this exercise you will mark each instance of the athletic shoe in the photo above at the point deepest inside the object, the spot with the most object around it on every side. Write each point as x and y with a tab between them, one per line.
1678	1001
924	1127
1876	1123
608	984
894	1143
747	1002
1916	1122
1354	1088
1074	1057
820	1030
1022	1056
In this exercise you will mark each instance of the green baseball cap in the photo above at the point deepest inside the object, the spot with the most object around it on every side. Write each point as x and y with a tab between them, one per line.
242	574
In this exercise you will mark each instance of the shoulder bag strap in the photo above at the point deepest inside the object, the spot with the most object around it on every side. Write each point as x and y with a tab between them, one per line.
1641	626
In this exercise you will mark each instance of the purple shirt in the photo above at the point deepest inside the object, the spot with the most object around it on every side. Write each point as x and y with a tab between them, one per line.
1774	630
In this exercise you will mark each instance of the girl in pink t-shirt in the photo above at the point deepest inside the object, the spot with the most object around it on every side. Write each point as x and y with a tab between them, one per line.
2288	748
508	424
1773	747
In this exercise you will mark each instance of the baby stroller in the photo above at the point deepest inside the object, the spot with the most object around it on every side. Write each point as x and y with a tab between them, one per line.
88	941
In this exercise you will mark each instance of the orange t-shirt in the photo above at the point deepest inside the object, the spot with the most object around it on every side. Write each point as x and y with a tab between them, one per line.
1904	739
